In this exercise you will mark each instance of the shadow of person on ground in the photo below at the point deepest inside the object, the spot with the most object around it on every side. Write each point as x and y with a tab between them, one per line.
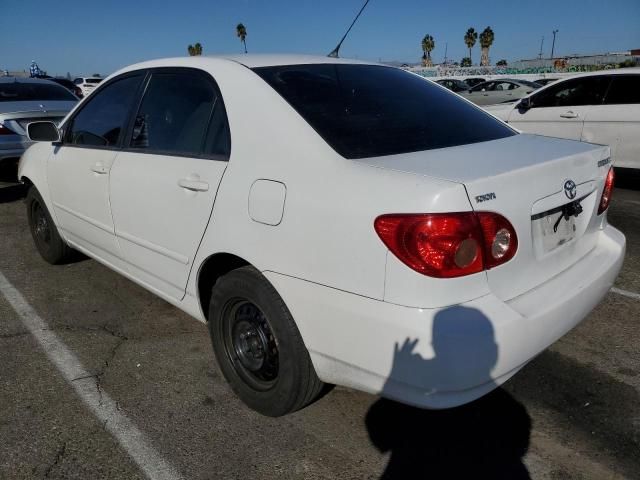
487	438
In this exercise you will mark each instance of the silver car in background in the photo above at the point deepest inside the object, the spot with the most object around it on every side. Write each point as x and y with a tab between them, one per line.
26	100
500	91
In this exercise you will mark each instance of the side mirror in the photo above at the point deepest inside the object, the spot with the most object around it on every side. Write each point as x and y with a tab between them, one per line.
525	104
43	132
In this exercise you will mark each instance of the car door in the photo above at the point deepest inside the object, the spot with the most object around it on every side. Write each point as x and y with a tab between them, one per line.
503	92
79	169
559	110
164	182
617	121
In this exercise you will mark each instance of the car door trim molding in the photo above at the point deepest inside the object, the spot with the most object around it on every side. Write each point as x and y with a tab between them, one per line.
89	220
156	248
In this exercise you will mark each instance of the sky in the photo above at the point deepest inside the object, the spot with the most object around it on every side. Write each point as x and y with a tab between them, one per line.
101	36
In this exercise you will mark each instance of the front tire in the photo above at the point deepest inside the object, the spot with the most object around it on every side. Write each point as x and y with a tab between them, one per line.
258	346
44	232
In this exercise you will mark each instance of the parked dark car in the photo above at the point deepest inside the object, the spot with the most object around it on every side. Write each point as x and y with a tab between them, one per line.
454	84
69	85
473	81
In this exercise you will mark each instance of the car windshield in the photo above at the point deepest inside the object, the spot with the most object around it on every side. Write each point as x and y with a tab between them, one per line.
368	111
26	91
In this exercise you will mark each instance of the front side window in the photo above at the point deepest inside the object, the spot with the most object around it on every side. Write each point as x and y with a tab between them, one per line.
102	121
573	93
624	89
175	115
368	111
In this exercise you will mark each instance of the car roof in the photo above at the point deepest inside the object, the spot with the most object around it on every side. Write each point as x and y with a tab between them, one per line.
250	60
613	71
277	59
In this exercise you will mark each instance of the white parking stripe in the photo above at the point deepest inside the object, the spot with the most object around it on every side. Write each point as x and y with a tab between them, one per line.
626	293
103	407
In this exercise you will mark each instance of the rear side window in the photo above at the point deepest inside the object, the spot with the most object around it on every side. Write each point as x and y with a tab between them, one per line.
102	119
175	115
368	111
623	89
573	93
26	91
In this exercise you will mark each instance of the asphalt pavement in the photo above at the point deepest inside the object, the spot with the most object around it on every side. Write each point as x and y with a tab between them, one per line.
154	404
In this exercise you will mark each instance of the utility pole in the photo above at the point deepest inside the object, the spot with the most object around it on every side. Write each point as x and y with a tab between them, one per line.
553	45
541	44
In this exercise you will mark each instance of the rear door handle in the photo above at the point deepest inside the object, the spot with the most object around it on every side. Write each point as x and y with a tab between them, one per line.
99	167
569	114
193	185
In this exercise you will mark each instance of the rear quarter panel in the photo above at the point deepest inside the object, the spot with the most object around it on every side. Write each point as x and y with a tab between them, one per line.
326	235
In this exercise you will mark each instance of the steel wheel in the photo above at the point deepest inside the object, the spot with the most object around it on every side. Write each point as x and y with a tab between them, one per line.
250	344
41	228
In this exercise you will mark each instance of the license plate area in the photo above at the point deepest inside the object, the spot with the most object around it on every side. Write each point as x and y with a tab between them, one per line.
559	226
548	238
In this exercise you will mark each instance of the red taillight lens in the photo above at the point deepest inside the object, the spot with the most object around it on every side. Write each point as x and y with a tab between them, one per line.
606	192
6	131
500	239
446	245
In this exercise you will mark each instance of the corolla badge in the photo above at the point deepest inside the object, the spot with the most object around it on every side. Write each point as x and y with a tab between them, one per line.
570	189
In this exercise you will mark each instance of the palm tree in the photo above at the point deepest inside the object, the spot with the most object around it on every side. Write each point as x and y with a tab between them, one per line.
195	49
241	32
428	44
470	39
486	40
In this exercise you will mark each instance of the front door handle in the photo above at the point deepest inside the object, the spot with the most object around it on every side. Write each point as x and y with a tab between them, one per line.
99	168
569	114
193	185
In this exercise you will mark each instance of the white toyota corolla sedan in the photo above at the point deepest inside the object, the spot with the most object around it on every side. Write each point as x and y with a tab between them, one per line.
332	221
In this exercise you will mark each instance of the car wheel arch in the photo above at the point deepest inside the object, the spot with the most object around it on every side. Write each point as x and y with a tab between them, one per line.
211	269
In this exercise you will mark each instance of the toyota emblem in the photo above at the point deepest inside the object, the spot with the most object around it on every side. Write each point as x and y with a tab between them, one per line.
570	189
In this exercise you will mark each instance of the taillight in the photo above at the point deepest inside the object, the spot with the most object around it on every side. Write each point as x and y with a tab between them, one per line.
446	245
6	131
606	192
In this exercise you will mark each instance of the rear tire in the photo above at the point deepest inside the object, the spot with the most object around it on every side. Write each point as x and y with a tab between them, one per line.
44	232
258	346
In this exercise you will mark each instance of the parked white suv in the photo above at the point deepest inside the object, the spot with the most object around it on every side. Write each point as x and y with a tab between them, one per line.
599	107
87	84
332	221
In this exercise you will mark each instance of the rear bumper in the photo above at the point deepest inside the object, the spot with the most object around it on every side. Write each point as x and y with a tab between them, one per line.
441	358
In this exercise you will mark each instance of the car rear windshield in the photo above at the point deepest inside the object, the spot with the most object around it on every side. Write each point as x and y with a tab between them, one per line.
25	91
369	111
93	80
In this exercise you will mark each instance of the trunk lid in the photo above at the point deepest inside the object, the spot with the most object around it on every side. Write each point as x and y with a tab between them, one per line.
523	178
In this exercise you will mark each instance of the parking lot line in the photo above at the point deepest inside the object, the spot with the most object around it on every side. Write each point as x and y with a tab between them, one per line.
626	293
130	438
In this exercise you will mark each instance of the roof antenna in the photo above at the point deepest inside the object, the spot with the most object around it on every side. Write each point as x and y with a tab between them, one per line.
334	52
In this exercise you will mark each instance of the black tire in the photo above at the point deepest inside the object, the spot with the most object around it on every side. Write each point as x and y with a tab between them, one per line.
44	232
269	368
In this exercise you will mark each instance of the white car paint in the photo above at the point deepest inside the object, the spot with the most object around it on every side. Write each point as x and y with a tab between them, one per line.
87	84
303	215
616	125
